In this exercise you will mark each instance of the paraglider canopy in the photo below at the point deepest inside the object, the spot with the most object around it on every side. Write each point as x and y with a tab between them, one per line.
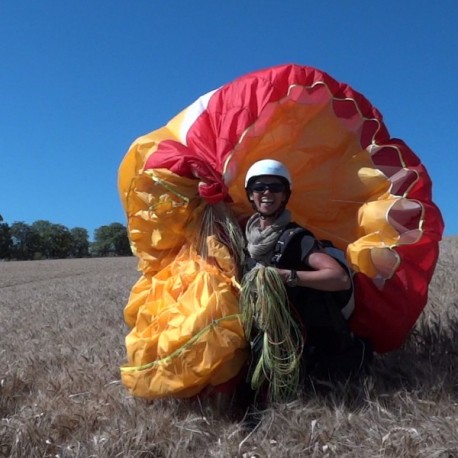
353	184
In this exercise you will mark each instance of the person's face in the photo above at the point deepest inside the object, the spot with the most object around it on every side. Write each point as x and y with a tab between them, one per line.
267	199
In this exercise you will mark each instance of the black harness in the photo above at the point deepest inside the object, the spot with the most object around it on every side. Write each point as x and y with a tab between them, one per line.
292	231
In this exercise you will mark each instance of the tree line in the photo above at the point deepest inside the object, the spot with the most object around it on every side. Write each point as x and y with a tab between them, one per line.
45	240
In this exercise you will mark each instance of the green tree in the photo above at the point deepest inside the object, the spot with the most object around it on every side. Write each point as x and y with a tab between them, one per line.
111	240
55	240
62	242
43	230
25	242
5	240
80	243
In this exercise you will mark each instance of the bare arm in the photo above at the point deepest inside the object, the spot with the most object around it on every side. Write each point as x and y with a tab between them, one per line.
328	274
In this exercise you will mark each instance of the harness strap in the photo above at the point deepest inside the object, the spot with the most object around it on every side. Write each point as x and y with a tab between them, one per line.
288	234
292	231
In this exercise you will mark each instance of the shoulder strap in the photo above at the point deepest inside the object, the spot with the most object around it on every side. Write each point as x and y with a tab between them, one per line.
292	230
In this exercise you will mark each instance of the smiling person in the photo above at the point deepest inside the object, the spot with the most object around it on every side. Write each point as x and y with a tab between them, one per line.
318	286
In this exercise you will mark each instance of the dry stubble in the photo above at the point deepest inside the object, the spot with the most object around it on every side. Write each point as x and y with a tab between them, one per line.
62	341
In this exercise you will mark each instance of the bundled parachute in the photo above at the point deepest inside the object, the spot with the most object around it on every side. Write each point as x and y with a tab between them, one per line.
352	184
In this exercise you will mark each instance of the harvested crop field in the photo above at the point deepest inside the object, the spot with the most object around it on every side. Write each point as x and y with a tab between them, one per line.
62	341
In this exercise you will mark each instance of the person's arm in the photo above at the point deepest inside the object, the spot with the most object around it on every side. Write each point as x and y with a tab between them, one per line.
327	274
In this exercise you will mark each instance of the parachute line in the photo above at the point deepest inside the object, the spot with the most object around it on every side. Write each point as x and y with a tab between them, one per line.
183	348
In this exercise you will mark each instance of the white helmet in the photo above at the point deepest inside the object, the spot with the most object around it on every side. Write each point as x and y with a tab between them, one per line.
267	167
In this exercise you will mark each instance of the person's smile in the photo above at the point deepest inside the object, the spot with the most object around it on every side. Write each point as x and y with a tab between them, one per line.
269	203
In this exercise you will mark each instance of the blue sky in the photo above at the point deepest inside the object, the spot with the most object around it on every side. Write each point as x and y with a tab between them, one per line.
81	80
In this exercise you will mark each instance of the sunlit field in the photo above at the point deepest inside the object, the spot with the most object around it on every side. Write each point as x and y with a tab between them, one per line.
62	342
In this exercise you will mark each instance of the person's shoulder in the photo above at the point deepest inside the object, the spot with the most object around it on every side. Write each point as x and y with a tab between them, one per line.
300	240
299	232
296	229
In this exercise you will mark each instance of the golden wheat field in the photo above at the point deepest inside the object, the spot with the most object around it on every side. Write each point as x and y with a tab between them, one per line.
62	341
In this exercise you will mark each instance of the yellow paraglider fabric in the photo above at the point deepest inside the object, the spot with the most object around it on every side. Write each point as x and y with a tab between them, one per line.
186	331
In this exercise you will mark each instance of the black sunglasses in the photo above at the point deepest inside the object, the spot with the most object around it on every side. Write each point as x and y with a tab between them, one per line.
272	187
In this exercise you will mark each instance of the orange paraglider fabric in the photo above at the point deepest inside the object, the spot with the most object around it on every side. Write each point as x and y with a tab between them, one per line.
183	311
352	184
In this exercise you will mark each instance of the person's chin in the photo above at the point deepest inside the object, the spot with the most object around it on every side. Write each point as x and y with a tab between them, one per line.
268	212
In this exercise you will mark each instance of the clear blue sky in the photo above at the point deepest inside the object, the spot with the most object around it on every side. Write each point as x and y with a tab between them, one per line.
81	80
